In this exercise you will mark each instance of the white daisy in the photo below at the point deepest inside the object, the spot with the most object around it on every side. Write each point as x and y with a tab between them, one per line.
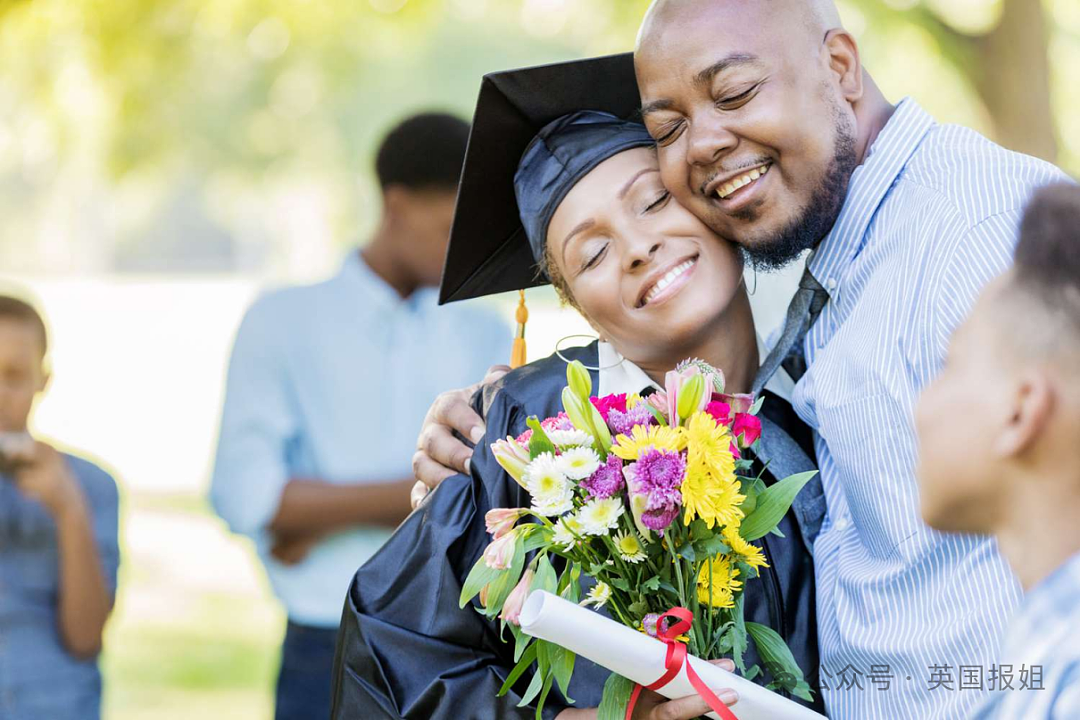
630	547
579	463
544	479
598	595
569	438
550	506
598	516
565	529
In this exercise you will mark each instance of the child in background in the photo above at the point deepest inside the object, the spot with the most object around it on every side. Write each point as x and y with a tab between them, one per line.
58	546
1000	454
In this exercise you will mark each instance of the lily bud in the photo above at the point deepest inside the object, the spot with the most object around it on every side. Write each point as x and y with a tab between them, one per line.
513	457
575	410
690	396
577	377
500	553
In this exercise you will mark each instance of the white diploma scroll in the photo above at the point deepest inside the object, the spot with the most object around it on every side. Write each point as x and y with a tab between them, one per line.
640	658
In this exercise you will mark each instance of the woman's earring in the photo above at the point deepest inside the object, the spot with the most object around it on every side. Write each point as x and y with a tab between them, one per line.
755	280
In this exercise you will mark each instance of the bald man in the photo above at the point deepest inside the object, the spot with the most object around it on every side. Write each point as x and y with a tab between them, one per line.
770	130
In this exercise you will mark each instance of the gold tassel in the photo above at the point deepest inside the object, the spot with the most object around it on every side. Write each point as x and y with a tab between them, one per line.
517	355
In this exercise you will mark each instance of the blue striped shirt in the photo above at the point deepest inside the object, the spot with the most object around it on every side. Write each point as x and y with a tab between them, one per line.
930	217
1039	672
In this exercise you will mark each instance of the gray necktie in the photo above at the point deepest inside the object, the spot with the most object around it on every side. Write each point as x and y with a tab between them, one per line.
804	309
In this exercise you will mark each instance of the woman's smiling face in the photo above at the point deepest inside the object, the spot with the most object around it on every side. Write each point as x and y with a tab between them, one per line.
649	276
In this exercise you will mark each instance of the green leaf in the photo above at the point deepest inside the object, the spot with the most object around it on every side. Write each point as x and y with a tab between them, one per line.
712	546
779	660
539	442
534	688
617	692
739	642
523	664
537	538
545	578
651	585
619	584
479	576
772	505
699	530
521	641
687	551
563	667
543	697
756	407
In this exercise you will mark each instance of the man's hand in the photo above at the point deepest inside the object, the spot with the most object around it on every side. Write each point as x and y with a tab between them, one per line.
42	474
439	454
653	706
292	549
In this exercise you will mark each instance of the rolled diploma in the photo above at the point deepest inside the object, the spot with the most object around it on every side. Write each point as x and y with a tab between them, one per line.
640	658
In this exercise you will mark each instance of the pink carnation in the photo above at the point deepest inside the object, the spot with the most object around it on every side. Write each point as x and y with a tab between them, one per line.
524	438
720	411
559	422
608	403
746	429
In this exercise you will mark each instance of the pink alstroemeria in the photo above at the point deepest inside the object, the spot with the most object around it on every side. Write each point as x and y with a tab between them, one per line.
500	553
512	456
511	609
500	521
746	429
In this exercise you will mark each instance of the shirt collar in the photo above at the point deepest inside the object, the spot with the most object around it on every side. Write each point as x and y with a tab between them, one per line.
1055	595
619	375
869	185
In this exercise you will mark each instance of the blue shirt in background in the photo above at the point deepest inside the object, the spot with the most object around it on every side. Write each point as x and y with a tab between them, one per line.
332	382
38	678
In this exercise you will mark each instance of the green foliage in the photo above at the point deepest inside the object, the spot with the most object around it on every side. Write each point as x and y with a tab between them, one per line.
778	658
616	697
772	504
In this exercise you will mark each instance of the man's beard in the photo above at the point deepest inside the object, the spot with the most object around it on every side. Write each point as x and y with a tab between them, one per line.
817	219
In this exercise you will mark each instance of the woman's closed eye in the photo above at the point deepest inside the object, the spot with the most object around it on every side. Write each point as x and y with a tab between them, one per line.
594	258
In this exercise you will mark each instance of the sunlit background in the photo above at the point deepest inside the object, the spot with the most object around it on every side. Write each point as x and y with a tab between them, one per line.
161	161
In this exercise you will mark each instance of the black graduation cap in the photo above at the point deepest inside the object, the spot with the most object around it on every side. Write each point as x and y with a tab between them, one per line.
489	250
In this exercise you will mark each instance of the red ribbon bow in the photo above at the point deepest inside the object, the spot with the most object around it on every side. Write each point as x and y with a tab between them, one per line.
673	663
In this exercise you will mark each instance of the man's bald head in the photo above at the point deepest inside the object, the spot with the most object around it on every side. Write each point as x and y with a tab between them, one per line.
817	17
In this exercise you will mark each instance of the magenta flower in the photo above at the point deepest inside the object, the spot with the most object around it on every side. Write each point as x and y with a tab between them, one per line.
720	411
621	422
608	403
607	480
524	438
658	475
746	429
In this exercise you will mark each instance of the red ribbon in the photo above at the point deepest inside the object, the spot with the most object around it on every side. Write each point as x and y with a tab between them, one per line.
673	663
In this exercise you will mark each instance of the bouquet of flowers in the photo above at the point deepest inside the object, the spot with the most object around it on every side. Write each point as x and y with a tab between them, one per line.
654	500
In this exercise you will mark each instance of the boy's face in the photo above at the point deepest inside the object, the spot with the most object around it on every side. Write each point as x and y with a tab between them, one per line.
22	375
958	419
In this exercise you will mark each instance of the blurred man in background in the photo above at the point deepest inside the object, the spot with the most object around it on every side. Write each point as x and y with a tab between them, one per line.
327	387
1011	466
58	547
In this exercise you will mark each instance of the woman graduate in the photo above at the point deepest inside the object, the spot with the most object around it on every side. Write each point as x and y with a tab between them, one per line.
585	204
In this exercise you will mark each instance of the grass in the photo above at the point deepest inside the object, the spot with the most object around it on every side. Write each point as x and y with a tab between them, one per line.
196	631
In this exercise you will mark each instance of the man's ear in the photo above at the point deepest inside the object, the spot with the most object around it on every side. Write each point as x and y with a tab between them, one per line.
46	377
1032	405
397	199
845	64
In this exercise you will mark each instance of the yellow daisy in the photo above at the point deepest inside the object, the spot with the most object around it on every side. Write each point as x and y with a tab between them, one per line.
747	552
708	443
632	399
642	438
724	584
709	497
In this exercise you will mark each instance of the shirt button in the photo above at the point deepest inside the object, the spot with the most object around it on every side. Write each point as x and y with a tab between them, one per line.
831	283
842	523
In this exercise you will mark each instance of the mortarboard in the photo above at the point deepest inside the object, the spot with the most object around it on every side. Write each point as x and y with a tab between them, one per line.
489	250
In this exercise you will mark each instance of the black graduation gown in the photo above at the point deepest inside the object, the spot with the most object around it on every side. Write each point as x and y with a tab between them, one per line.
406	650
